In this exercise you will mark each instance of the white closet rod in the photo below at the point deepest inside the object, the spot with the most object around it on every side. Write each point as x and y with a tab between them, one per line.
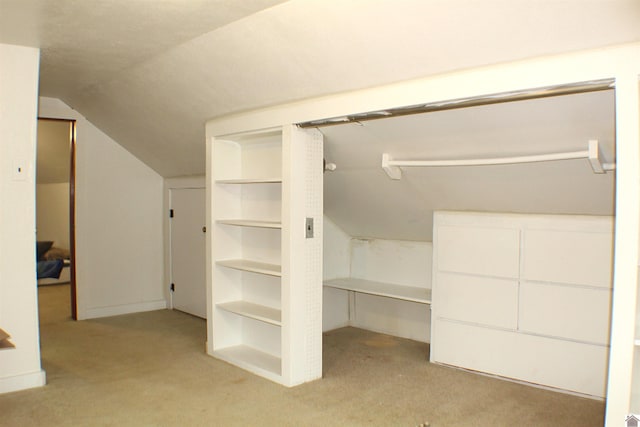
392	167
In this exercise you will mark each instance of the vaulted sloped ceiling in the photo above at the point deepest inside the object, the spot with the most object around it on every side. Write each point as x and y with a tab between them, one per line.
365	202
150	72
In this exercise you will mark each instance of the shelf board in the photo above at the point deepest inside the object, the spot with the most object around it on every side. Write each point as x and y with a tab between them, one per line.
637	342
249	181
406	293
5	344
4	340
252	266
254	311
250	223
252	360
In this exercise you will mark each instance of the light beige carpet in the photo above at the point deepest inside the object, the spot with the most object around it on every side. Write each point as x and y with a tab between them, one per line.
150	369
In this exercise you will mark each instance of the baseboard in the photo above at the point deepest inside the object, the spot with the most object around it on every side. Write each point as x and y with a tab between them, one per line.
391	331
45	282
335	326
23	382
117	310
527	383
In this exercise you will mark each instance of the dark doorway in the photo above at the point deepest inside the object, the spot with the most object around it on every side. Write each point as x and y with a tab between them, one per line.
55	199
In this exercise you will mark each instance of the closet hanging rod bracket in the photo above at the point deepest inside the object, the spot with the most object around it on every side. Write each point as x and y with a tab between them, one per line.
394	172
593	153
595	157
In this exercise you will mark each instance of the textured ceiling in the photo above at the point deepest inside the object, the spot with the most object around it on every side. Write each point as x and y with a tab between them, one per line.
150	72
88	43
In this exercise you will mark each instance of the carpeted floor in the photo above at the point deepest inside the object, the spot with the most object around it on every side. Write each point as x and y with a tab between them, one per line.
150	369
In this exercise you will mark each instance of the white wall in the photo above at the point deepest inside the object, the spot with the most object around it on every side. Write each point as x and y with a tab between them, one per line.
336	263
401	263
119	237
337	252
52	213
20	367
391	261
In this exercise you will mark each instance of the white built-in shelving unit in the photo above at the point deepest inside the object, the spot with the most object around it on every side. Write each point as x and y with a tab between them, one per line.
265	282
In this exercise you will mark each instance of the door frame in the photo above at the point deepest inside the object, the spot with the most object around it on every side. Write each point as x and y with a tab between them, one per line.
72	211
178	183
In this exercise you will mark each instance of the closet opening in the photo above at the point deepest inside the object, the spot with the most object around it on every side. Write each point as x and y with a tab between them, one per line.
55	210
388	266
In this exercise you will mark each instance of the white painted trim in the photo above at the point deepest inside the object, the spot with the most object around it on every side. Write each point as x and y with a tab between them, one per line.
196	181
535	73
117	310
624	310
527	383
182	182
23	382
209	242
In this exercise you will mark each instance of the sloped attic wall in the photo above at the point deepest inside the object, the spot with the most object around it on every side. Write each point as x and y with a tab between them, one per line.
364	202
118	224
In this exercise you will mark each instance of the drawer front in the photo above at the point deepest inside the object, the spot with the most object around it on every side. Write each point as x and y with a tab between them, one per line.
552	362
481	300
580	314
572	257
482	251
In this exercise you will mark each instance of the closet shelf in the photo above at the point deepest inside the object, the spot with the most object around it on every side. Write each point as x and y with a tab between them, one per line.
252	360
252	266
250	223
593	153
249	181
402	292
636	342
254	311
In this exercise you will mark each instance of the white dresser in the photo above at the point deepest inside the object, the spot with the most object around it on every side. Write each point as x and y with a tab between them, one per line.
524	296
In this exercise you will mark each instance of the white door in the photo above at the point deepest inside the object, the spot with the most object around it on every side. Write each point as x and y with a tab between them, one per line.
188	250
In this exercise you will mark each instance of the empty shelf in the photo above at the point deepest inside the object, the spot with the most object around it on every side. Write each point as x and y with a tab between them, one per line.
254	311
252	360
407	293
252	266
250	223
249	181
